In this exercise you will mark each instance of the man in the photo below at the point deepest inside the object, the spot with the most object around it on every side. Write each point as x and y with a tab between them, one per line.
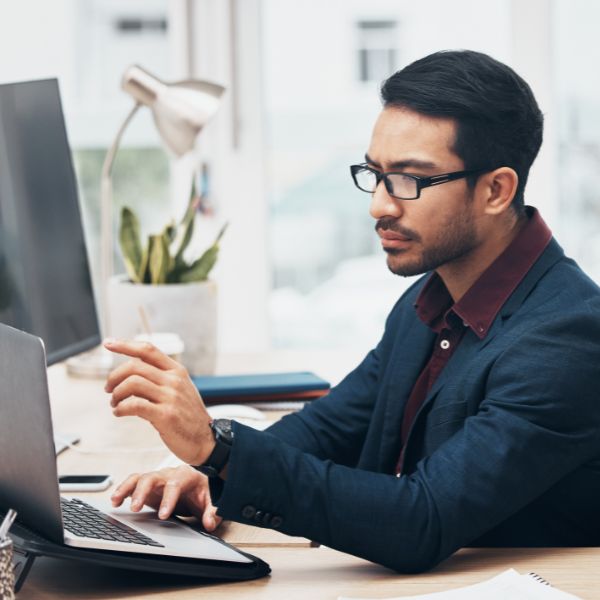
476	419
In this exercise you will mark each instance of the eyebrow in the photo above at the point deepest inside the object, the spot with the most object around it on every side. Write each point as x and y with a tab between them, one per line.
404	164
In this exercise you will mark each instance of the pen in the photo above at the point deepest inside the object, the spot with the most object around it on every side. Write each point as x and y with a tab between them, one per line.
7	523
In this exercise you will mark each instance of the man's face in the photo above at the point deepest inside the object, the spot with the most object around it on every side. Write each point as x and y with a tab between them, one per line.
437	228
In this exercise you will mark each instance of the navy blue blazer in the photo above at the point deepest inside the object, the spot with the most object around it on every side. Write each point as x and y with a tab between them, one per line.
505	450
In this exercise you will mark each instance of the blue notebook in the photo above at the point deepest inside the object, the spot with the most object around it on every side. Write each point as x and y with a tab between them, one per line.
261	387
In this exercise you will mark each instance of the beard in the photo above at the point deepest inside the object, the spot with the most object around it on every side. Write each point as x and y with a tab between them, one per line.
457	238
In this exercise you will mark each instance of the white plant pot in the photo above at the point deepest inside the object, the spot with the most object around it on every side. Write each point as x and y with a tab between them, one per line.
187	309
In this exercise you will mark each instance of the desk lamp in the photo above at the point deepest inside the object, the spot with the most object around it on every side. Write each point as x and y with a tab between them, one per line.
180	111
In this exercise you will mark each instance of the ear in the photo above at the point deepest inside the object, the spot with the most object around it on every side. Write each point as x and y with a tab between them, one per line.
498	190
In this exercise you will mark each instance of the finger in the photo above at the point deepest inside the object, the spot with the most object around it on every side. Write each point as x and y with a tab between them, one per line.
189	500
136	385
136	407
143	350
124	489
210	519
133	367
171	495
147	484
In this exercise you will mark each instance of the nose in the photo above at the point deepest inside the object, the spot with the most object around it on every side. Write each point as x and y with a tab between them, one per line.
384	205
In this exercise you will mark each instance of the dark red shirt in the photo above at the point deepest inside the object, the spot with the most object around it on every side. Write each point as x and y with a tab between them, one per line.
476	310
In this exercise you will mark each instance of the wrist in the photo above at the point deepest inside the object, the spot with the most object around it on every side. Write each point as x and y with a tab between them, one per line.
207	444
216	454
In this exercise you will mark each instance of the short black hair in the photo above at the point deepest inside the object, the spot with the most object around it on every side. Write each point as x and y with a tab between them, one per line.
499	123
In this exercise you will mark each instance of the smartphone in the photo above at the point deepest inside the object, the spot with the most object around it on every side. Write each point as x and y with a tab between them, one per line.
83	483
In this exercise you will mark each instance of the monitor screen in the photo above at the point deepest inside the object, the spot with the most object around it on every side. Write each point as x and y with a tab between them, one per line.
45	283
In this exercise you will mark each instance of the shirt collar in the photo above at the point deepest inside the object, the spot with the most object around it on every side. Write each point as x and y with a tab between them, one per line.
483	300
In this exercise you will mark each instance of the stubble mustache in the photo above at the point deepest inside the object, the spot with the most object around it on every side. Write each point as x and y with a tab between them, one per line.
391	224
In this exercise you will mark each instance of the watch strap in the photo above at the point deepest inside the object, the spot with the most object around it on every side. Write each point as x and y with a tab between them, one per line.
219	457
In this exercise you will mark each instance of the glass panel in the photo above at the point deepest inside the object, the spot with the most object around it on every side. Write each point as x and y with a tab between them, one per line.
140	181
331	287
576	49
88	45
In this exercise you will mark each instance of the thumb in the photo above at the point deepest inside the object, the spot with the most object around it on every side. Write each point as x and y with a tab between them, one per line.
210	520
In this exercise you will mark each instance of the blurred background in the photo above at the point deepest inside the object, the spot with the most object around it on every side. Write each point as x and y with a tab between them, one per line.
300	266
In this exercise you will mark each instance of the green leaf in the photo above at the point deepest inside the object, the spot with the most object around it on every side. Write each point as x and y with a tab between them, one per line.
144	272
131	246
159	259
200	269
169	231
220	234
187	223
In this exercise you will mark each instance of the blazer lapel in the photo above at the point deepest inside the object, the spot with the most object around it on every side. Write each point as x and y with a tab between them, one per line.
408	360
548	259
471	344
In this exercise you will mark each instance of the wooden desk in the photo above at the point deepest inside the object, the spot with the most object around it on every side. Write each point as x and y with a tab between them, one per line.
318	574
299	571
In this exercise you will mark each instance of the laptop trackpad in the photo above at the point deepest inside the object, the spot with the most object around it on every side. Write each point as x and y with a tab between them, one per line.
148	522
175	534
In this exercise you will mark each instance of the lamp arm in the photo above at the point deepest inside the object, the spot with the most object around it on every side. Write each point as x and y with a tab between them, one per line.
106	224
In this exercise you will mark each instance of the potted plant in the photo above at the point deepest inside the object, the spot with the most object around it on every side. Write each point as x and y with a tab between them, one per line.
172	291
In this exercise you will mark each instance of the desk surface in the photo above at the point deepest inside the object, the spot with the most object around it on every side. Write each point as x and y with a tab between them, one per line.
299	571
319	574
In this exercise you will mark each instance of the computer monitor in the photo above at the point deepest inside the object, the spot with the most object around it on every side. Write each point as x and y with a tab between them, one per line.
45	283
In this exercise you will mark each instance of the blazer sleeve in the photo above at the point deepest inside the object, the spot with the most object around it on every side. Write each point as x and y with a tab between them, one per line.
539	420
335	425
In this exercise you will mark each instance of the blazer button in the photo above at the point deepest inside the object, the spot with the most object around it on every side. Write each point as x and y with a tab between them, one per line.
266	520
248	511
276	521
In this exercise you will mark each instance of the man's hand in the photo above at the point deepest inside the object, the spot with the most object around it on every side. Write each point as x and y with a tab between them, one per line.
183	491
157	388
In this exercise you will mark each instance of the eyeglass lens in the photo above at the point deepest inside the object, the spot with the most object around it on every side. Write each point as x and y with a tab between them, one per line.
402	185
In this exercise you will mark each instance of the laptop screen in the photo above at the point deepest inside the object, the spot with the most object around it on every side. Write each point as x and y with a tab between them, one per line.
28	480
45	284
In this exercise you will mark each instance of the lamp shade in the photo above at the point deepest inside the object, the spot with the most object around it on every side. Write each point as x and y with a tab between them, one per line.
180	109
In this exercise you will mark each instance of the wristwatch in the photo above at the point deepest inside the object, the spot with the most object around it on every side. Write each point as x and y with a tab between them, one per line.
218	458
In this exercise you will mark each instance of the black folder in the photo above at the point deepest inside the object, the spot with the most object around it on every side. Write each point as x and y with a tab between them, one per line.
261	387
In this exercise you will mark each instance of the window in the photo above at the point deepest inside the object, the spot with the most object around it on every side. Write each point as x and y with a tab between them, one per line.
330	285
87	46
577	95
377	49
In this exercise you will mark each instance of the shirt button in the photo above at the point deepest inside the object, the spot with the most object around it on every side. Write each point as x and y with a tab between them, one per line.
444	344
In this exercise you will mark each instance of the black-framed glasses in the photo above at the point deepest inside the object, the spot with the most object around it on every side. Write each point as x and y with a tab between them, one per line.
402	185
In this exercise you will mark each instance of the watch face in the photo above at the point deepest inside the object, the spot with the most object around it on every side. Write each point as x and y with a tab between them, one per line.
222	428
222	431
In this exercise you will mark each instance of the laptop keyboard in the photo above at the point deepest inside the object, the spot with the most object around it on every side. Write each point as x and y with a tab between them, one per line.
84	520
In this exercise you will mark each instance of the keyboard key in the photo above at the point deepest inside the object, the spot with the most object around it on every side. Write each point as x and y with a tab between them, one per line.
83	520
